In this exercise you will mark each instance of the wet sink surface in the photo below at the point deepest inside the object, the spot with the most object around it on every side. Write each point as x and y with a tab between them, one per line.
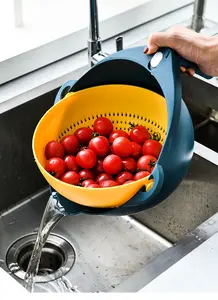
192	203
108	249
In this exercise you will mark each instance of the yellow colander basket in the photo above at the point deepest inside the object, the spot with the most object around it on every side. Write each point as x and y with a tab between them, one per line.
122	104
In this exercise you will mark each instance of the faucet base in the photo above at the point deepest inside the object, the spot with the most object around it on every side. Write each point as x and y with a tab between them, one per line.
94	47
197	23
98	57
197	19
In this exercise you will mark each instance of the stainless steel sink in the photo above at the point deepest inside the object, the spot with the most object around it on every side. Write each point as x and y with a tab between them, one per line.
193	202
101	254
108	250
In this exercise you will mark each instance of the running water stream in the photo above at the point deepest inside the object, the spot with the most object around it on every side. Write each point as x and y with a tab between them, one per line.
52	215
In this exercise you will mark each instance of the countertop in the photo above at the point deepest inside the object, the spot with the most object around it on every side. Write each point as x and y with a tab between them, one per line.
9	285
196	272
41	81
50	77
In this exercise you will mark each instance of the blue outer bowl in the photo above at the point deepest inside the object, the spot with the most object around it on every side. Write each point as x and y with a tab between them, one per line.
132	67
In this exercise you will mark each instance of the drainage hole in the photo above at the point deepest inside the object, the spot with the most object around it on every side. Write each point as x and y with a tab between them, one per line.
52	259
57	259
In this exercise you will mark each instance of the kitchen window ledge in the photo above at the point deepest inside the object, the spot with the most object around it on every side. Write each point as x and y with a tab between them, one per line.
41	81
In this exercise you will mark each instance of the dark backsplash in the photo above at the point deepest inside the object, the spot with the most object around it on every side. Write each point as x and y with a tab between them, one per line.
19	176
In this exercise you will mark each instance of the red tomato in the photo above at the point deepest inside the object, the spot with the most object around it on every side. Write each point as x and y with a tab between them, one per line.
86	174
122	147
87	182
100	146
129	164
93	186
117	133
112	164
71	164
86	159
70	143
146	163
102	177
108	183
54	149
103	126
152	147
139	134
141	174
70	177
136	150
99	166
84	135
123	177
55	166
128	181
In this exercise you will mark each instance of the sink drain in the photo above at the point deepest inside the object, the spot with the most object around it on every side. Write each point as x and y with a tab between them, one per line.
58	257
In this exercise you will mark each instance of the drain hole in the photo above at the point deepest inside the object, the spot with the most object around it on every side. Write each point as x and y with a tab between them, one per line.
52	259
58	257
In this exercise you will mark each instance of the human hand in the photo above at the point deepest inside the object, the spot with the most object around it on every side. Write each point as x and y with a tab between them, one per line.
195	47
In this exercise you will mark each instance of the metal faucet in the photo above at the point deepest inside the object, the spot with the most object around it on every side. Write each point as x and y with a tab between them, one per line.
95	53
197	19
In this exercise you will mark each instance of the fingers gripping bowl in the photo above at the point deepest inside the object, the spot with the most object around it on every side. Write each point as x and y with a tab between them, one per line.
122	105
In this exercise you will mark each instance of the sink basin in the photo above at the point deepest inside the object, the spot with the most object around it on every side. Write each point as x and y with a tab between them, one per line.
99	254
108	250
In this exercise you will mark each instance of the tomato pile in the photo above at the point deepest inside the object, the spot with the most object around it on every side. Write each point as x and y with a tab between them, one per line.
102	157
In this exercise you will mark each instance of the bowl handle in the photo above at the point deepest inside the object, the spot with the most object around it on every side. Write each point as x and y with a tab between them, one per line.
167	73
64	89
144	198
187	64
